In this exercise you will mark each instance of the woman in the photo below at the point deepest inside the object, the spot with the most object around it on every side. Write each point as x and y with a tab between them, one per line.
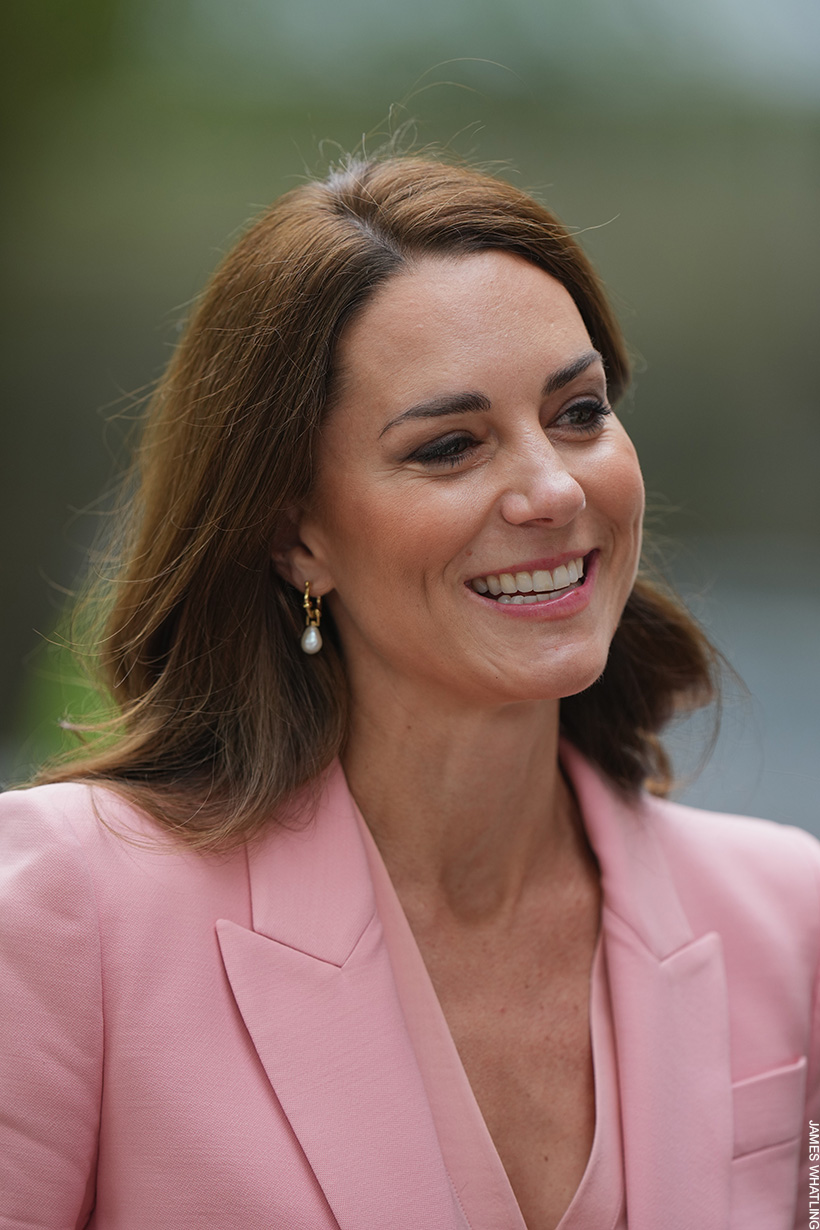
457	977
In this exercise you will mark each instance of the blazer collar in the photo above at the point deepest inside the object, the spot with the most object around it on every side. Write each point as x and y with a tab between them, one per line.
310	882
636	879
671	1015
315	988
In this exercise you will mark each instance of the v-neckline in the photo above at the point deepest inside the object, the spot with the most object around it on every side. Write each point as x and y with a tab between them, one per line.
475	1169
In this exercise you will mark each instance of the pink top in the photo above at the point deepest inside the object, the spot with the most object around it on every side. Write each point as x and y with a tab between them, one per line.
475	1169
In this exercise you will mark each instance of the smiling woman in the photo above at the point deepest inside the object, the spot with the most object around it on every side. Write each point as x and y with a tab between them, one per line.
352	937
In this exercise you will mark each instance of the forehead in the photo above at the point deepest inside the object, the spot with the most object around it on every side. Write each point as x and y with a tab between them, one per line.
450	318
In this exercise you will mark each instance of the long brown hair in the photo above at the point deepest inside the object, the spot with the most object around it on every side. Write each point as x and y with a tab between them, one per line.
220	717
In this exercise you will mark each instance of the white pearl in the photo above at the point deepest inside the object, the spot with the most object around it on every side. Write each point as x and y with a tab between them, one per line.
311	640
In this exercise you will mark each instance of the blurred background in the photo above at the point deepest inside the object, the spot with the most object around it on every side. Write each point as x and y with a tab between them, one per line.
680	141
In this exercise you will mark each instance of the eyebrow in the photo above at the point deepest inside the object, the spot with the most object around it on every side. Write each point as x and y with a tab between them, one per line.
566	375
470	403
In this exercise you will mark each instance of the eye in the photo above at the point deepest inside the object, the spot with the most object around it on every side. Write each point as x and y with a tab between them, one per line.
585	417
448	450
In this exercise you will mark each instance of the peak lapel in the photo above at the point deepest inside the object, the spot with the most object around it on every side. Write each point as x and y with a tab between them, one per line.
315	988
671	1016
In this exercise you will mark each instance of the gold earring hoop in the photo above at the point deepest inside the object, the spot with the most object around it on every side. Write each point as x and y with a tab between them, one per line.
311	637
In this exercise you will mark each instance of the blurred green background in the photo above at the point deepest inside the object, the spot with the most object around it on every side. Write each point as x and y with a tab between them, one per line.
680	141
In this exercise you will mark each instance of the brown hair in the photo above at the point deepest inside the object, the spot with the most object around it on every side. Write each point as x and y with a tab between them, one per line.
220	717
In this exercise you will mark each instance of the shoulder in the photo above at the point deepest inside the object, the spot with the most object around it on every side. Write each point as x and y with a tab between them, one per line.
762	868
670	871
70	813
746	837
50	835
757	885
71	829
710	857
81	846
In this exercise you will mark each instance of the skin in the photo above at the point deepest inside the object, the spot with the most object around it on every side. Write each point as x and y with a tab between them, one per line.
452	754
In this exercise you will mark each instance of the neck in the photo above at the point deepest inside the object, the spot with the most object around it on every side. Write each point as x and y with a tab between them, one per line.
468	808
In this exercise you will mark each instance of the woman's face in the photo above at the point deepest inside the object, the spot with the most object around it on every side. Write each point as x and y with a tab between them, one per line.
476	518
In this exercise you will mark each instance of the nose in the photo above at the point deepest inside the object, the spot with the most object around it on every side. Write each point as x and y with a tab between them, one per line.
539	488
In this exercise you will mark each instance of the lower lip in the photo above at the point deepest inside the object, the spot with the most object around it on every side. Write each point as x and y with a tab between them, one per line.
571	603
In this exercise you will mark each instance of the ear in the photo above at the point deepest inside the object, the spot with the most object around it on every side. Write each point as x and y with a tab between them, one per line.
296	561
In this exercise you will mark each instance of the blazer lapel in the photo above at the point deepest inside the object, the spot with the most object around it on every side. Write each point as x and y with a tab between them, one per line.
671	1016
314	985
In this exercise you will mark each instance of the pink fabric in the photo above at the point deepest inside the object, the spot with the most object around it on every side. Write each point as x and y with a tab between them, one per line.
219	1042
472	1161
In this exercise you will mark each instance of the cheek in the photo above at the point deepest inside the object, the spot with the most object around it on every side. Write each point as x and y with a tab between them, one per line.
393	529
629	494
372	538
619	488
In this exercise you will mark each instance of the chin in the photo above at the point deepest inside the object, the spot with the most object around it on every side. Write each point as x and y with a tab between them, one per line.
556	680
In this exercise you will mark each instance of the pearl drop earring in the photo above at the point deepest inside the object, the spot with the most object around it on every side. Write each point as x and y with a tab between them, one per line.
311	637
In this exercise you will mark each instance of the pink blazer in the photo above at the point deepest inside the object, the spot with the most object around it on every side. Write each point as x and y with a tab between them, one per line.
191	1041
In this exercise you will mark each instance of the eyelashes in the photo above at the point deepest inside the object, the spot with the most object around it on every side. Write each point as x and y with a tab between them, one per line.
586	416
448	450
581	419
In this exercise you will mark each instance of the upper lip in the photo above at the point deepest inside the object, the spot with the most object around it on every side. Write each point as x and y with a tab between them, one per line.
547	564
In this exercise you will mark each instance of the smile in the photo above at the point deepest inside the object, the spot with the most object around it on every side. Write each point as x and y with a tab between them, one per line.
541	585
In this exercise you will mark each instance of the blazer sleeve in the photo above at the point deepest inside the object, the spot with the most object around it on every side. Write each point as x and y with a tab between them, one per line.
51	1034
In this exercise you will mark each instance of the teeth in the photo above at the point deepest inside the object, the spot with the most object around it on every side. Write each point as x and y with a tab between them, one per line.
520	599
536	586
